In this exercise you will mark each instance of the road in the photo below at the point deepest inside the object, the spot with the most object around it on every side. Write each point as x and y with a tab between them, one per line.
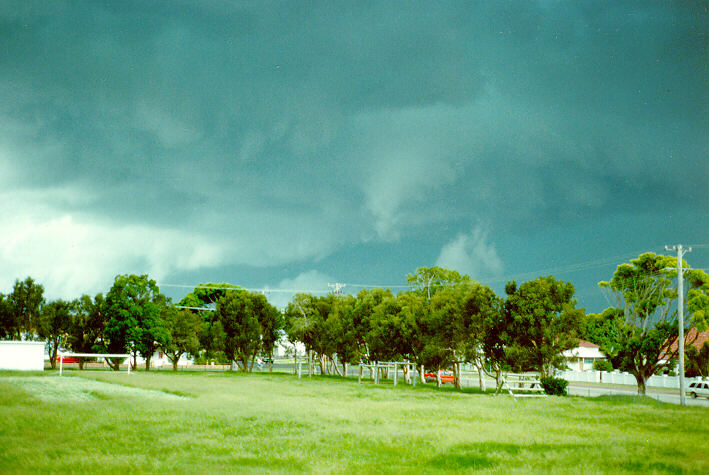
595	391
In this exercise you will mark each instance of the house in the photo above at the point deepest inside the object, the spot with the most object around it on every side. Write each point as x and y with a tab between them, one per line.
582	357
693	338
696	338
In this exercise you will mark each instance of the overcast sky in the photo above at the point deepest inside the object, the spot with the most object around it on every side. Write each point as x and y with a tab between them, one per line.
294	144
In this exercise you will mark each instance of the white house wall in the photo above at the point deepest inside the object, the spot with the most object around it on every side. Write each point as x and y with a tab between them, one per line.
22	355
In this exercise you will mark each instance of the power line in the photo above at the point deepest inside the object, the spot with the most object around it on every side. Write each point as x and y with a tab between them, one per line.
581	266
260	290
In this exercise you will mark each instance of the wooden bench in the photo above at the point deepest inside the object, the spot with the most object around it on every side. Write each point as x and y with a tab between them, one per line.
523	385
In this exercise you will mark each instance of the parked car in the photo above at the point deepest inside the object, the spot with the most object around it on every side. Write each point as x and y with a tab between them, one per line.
699	389
446	377
68	359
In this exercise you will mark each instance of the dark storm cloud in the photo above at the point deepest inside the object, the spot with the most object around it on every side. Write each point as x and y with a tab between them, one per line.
307	126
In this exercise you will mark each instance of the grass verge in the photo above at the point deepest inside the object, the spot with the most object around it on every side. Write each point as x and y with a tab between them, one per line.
114	422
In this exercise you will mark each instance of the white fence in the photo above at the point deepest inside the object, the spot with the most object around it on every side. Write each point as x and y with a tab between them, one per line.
604	377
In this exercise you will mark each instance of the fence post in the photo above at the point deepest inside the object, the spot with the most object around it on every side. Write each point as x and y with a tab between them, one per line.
300	367
396	373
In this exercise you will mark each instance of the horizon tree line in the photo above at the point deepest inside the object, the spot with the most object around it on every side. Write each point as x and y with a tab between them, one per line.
441	322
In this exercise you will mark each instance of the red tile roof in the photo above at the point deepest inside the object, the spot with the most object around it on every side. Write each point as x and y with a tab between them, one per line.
587	344
698	342
697	339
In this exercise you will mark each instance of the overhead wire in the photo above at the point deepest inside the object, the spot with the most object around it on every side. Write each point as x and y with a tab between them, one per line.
607	261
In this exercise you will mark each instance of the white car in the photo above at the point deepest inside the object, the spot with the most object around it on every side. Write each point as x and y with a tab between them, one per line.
699	389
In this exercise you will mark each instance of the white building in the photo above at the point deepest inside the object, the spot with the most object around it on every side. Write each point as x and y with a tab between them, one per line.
22	355
582	357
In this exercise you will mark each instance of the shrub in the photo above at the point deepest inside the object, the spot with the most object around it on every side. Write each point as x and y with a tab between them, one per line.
554	386
603	365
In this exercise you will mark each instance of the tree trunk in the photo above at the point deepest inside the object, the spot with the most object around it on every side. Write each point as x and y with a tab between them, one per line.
82	362
321	361
481	378
344	369
147	363
115	363
337	368
295	359
498	380
423	374
53	358
640	378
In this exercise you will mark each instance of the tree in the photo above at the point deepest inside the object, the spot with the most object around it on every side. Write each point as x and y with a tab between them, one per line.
543	323
53	326
241	315
343	332
306	315
86	332
496	333
429	280
271	324
396	330
183	328
697	360
153	333
6	318
365	303
205	296
461	316
134	309
391	328
646	338
20	310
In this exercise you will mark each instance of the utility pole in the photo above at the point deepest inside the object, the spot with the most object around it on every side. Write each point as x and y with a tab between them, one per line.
680	313
337	288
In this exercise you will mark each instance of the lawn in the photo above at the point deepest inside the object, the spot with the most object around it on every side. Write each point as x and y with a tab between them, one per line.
203	422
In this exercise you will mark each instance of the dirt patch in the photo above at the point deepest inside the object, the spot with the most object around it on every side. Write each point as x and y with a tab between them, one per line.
71	389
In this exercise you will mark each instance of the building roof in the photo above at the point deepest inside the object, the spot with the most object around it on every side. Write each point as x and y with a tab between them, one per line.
699	339
585	349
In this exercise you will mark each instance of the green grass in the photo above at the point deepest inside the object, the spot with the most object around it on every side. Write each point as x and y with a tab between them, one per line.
204	422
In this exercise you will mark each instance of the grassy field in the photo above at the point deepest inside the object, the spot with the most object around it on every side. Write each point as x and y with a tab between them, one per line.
204	422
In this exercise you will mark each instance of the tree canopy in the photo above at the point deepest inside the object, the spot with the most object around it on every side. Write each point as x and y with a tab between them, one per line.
644	339
134	309
20	310
248	322
53	326
543	322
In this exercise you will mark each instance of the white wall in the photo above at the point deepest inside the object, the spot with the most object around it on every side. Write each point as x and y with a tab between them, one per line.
22	355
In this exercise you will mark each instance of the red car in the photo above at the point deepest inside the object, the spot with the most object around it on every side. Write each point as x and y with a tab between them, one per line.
446	377
68	359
